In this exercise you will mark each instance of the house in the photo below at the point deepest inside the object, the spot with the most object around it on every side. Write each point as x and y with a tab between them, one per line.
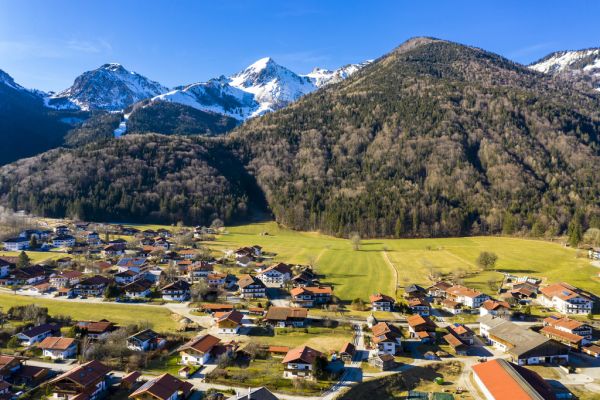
9	365
98	267
126	277
466	296
229	322
146	340
162	244
139	289
310	296
499	379
451	306
260	393
88	381
286	316
216	280
198	351
112	250
16	244
92	238
572	326
176	291
65	279
92	286
63	241
414	291
459	347
164	233
64	262
277	274
381	302
347	352
421	327
251	287
131	263
130	380
384	362
418	305
36	334
495	308
96	330
565	299
215	307
438	290
58	348
463	332
523	345
387	338
164	387
568	339
198	270
298	363
592	350
305	278
61	230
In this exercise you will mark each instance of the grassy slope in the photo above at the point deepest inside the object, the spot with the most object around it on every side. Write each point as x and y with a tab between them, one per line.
360	273
158	317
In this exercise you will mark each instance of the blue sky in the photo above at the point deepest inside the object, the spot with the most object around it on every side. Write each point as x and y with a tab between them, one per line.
46	44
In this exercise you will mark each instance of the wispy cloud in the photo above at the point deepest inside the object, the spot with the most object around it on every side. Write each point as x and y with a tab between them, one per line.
51	48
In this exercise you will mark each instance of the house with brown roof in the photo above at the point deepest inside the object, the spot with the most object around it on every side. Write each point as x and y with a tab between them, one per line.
463	332
87	381
347	352
176	291
466	296
229	322
58	348
199	350
216	307
139	289
93	286
421	327
496	308
387	338
381	302
298	363
566	338
65	279
164	387
286	316
566	299
451	306
384	362
96	330
501	380
145	340
9	365
310	296
566	324
418	305
251	287
276	275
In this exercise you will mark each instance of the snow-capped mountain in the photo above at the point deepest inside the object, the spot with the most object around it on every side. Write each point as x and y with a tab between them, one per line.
262	87
110	87
216	96
8	80
322	77
580	65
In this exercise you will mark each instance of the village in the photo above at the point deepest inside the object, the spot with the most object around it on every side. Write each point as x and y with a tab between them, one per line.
252	328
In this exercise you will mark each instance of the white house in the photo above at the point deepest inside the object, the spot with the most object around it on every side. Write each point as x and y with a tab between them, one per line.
176	291
466	296
139	289
565	299
36	334
277	274
298	363
387	338
145	340
16	244
381	302
63	241
58	348
198	351
496	308
229	322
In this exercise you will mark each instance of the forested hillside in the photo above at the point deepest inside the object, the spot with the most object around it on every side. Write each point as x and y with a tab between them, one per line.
149	178
434	139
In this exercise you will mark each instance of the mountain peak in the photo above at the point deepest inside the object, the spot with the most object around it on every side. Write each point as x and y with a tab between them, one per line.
9	81
113	67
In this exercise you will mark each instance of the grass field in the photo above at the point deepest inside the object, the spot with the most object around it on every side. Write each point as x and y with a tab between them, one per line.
322	339
36	256
158	317
360	273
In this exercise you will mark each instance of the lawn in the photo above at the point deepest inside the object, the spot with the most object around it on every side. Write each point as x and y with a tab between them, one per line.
322	339
363	272
158	317
37	256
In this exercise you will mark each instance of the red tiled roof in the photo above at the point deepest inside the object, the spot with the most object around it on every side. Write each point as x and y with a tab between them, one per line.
56	343
304	354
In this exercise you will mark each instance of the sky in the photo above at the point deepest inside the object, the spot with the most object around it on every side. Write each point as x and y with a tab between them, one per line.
46	44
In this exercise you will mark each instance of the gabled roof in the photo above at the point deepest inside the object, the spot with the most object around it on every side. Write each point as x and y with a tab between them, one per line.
384	332
202	344
285	313
96	326
562	290
131	262
492	305
303	354
378	297
94	281
141	285
247	280
507	381
279	267
566	336
177	285
313	290
233	316
86	374
145	335
419	320
260	393
38	330
565	322
459	290
163	387
56	343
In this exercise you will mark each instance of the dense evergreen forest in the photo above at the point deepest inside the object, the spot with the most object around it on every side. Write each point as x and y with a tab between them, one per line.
434	139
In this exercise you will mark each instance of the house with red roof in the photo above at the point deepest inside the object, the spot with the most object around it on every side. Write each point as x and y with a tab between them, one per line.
566	299
381	302
298	363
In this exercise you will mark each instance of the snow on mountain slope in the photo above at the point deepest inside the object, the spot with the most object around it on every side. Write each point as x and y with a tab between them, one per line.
215	96
582	65
110	87
321	77
8	80
262	87
272	85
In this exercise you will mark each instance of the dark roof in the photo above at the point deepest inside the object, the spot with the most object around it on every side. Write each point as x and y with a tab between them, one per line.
145	335
163	387
178	285
38	330
260	393
95	280
140	285
85	374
